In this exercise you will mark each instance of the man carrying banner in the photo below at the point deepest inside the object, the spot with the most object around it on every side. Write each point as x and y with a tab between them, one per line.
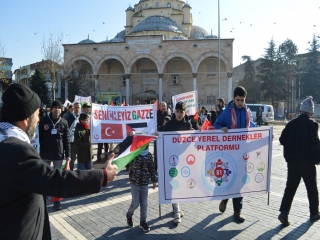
301	145
236	115
178	122
25	178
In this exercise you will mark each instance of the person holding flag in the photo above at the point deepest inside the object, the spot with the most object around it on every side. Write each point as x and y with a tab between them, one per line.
26	179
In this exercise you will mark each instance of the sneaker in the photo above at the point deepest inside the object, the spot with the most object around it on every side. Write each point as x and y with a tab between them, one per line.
130	222
181	213
239	217
315	217
177	218
57	206
283	218
223	206
144	226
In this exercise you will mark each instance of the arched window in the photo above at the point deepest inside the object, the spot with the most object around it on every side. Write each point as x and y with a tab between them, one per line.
157	5
146	6
178	6
169	5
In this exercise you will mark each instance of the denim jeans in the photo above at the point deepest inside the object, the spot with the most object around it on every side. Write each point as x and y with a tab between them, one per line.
84	166
57	164
139	196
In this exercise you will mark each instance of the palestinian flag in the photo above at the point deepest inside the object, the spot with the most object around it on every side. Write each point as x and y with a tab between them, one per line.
139	143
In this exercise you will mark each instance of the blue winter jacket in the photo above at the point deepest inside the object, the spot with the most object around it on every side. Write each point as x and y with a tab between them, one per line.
225	119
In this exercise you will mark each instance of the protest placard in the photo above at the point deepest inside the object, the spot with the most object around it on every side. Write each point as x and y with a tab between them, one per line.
81	99
114	123
190	99
213	165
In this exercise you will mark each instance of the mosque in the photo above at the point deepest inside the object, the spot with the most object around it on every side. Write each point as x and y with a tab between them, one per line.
158	54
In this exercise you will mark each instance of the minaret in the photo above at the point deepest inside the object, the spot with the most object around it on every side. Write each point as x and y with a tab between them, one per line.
129	13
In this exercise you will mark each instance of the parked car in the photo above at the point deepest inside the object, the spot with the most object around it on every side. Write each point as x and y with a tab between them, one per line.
267	112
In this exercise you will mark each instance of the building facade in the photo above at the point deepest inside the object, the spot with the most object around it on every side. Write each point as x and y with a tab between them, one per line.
160	53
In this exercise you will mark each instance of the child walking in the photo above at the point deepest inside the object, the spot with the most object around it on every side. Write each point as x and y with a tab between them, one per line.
141	169
83	142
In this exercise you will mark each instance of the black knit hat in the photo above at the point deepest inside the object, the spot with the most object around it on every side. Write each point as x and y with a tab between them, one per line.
19	102
56	103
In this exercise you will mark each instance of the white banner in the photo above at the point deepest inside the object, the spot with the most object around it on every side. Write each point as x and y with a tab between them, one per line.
66	103
35	141
114	123
190	99
82	100
212	165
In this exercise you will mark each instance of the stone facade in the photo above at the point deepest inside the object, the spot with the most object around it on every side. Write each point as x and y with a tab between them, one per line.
147	65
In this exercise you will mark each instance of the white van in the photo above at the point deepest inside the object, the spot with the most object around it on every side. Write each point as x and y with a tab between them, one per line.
267	112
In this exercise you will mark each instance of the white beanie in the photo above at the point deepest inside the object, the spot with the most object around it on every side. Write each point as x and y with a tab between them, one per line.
307	105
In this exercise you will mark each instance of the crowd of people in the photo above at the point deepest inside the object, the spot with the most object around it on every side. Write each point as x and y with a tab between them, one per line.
28	177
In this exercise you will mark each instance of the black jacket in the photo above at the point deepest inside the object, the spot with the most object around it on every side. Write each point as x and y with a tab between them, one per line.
83	143
25	181
300	140
54	146
161	116
175	125
70	119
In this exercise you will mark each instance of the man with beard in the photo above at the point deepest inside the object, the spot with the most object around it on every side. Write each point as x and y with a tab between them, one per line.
73	119
25	178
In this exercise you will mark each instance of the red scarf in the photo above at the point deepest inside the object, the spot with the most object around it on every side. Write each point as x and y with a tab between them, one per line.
234	118
85	126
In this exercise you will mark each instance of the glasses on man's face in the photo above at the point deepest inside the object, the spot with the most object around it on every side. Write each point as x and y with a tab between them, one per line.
179	111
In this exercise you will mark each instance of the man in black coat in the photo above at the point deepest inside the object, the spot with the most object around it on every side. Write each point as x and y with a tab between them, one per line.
73	119
25	179
301	152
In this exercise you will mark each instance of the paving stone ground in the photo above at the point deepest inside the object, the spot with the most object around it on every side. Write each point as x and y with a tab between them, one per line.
102	215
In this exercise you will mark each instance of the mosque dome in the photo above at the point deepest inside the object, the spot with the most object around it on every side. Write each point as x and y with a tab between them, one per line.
186	5
130	8
116	40
198	32
86	41
178	38
157	23
210	37
121	35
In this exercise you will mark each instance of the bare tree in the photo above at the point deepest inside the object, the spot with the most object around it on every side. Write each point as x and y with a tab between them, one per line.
80	80
2	63
52	52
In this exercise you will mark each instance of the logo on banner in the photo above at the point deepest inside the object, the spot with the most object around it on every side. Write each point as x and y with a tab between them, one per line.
174	160
246	156
185	172
111	131
191	183
219	172
191	159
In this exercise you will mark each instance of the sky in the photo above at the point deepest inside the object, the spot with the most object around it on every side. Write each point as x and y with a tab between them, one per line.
252	23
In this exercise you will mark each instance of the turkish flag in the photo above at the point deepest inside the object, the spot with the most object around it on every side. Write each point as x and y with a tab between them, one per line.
111	131
207	125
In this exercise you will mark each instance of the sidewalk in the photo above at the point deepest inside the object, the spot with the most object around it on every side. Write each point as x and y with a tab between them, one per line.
102	215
